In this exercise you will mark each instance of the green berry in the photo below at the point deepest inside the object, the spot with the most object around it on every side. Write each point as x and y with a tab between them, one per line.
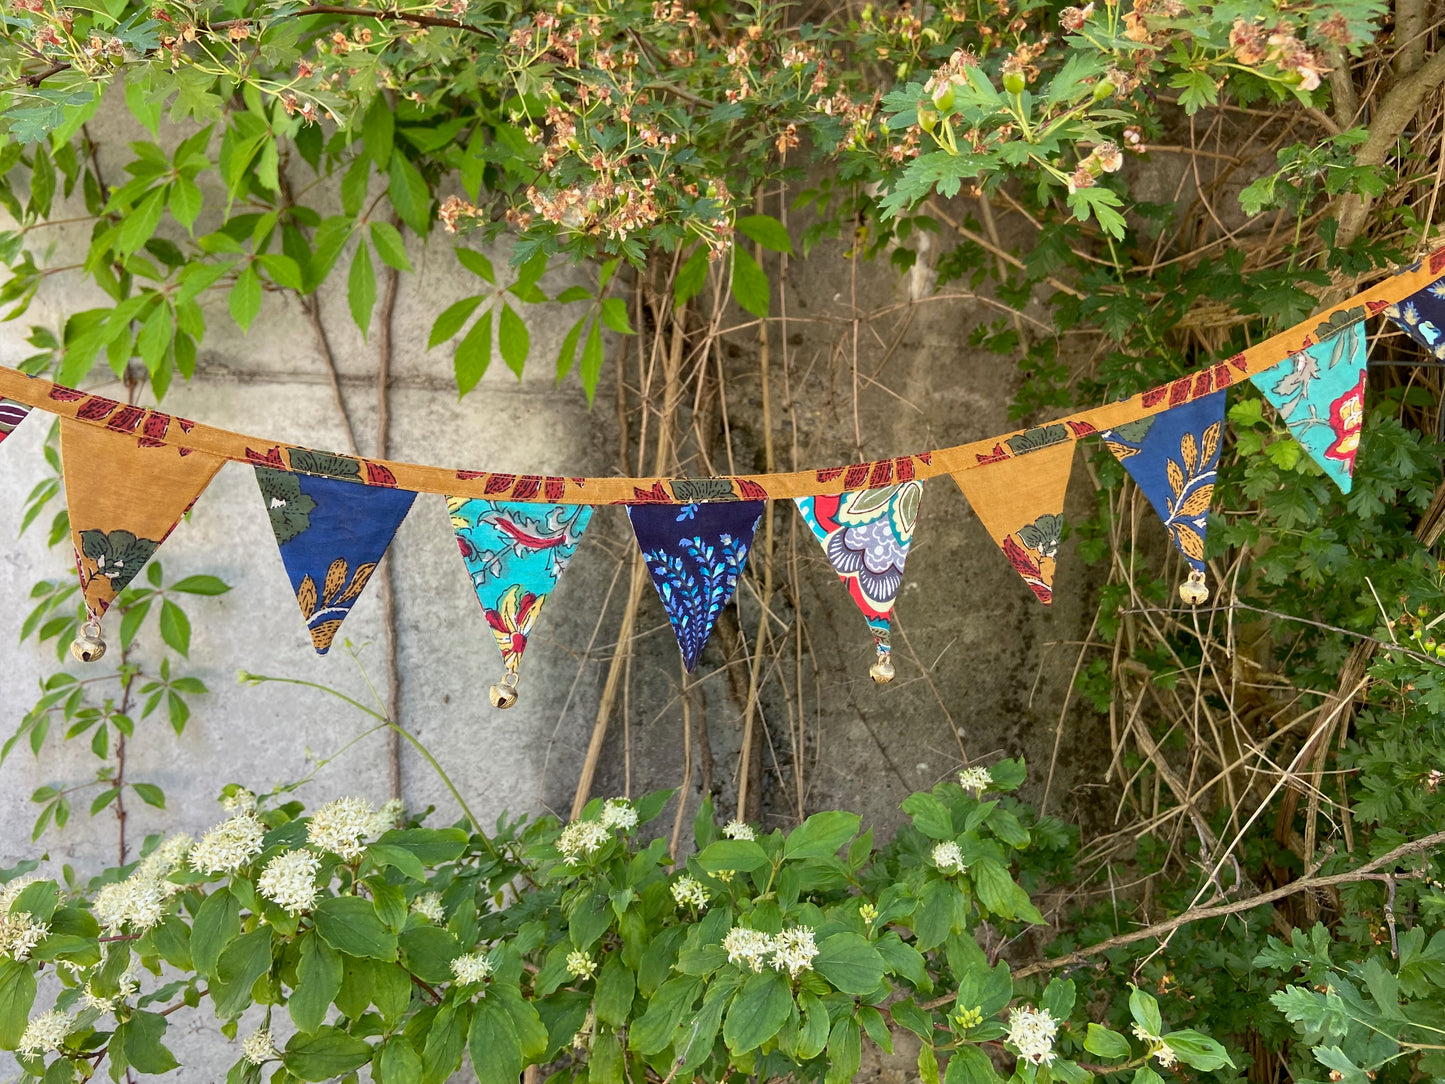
1013	82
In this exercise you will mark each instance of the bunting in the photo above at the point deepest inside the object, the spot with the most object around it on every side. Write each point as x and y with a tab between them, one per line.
1422	317
11	415
1320	395
125	495
865	534
1173	457
515	554
332	533
695	553
1020	502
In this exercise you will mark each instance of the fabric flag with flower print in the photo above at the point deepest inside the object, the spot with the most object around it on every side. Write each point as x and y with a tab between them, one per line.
695	553
125	496
515	554
1320	394
1020	502
1422	317
1173	457
11	415
865	534
332	533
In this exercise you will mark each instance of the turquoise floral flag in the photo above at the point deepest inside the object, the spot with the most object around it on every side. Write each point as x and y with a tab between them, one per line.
1173	457
515	554
695	553
332	533
11	415
1320	394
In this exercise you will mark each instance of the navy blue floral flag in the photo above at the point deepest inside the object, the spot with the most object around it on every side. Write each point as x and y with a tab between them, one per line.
695	553
332	533
1422	317
1173	457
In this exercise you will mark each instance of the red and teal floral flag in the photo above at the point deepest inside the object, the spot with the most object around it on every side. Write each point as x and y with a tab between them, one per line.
1020	502
11	415
694	554
1173	456
515	553
125	495
865	534
1320	394
332	532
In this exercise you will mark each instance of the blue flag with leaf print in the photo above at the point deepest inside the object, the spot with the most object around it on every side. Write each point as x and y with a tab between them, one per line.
1422	317
695	553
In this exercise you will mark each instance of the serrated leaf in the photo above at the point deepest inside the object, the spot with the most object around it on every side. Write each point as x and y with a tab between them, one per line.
766	231
361	288
474	354
513	339
389	246
750	284
245	298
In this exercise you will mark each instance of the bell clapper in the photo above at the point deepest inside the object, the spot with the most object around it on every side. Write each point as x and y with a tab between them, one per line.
89	646
504	693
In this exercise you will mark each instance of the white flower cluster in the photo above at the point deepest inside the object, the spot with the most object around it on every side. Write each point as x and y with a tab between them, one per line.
19	933
791	951
581	838
140	900
580	965
429	906
948	858
230	845
239	802
977	780
1031	1032
343	826
289	880
1158	1048
689	893
472	968
619	814
259	1047
739	830
46	1032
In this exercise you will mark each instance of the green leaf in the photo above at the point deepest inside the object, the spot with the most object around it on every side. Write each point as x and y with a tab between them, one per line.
200	585
743	855
477	264
389	246
850	963
245	298
614	315
567	355
378	131
399	1063
17	995
361	288
757	1011
186	201
175	628
822	835
513	340
691	277
216	926
496	1051
329	1053
428	951
750	283
1198	1051
474	354
994	886
452	319
410	195
970	1065
244	961
845	1051
592	357
615	987
139	224
766	231
1105	1043
930	816
350	925
318	980
140	1039
1145	1011
150	794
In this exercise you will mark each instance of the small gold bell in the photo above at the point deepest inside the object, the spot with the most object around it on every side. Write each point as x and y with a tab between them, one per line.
89	646
882	670
1194	590
504	692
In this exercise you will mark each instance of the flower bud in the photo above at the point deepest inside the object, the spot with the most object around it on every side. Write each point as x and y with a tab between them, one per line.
1103	89
1014	82
943	96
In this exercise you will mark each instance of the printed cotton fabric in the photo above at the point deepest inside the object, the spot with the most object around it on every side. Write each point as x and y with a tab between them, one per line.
125	497
1422	317
11	415
1173	457
515	554
1320	395
865	534
332	533
1020	502
695	553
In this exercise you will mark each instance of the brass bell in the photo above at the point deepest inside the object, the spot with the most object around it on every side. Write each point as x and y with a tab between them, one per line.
504	693
1194	590
882	671
89	646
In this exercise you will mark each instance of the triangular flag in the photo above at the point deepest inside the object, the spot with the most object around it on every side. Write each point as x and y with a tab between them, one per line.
865	534
11	415
1020	502
1320	394
125	497
332	533
515	553
1422	317
695	553
1172	456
